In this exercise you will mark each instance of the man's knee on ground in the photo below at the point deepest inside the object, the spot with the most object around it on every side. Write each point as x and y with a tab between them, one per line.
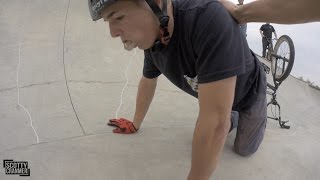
245	151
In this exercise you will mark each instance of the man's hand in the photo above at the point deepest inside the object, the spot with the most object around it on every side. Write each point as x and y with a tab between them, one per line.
231	7
123	126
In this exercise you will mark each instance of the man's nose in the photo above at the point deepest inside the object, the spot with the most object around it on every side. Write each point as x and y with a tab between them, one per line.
114	30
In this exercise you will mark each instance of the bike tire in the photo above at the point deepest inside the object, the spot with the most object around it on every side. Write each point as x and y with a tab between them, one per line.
289	66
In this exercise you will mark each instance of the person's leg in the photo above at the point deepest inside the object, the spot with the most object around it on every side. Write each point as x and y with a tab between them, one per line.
244	29
264	47
234	120
252	122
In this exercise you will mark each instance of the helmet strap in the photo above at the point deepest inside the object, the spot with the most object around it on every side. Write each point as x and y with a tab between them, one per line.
164	35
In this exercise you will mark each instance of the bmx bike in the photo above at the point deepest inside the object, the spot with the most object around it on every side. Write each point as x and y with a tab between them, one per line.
269	48
281	58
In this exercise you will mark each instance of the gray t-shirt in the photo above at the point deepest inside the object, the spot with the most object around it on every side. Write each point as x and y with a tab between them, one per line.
206	46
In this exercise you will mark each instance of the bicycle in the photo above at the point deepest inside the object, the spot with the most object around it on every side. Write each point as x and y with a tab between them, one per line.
282	59
269	48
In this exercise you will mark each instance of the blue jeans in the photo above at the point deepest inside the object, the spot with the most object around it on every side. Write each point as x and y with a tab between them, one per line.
251	122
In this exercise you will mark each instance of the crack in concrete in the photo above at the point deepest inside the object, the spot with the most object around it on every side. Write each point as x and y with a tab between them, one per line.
49	142
7	89
27	86
39	84
119	82
97	82
81	81
87	135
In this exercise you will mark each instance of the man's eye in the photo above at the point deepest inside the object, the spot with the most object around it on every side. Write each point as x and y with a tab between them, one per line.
119	18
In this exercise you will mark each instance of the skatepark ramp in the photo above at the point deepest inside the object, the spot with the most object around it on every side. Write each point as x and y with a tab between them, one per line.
70	75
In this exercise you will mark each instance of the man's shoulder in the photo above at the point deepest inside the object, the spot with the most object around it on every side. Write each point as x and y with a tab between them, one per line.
269	25
192	4
199	11
198	14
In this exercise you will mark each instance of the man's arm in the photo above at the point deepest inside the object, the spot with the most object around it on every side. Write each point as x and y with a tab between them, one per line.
274	33
144	98
212	127
261	32
276	11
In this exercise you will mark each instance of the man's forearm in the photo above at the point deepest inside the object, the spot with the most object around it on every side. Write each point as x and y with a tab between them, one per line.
208	142
144	98
279	11
261	33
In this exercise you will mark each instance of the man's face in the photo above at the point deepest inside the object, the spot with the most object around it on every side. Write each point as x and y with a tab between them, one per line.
240	1
133	22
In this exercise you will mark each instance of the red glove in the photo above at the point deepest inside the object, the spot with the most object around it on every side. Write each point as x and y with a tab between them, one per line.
124	126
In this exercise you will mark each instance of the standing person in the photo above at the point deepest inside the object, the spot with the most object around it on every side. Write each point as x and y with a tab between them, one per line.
243	26
199	47
266	31
275	11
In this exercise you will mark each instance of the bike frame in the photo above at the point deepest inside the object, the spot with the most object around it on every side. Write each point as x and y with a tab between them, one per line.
276	67
269	49
273	100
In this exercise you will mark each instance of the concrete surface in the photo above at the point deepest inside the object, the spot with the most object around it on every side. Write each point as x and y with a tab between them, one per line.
70	79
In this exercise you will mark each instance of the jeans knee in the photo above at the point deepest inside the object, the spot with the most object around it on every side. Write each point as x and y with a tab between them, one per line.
245	152
247	148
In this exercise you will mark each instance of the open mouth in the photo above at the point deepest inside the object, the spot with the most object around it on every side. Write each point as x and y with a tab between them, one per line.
129	45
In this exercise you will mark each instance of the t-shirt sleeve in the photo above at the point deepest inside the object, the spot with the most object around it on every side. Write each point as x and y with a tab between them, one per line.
218	44
262	28
149	69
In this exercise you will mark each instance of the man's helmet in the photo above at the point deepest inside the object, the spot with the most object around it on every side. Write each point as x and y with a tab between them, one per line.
96	7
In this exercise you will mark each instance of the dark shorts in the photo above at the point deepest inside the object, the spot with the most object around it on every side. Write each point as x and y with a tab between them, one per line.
252	122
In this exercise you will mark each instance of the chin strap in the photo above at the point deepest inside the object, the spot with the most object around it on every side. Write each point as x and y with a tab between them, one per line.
164	21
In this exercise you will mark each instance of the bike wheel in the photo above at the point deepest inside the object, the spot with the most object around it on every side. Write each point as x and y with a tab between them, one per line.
282	58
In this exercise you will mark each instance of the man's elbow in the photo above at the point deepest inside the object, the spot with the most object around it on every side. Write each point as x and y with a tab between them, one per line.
216	127
223	125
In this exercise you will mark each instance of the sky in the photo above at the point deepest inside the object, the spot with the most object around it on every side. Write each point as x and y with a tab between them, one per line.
306	39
